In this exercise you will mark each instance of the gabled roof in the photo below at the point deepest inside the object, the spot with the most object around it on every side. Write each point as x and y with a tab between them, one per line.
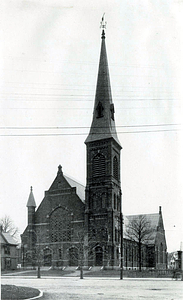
80	189
8	239
64	182
152	218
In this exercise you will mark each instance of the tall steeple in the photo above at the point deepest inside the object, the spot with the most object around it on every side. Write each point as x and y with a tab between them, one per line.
103	184
103	124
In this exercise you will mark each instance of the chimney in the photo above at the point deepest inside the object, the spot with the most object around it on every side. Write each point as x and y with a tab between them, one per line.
159	210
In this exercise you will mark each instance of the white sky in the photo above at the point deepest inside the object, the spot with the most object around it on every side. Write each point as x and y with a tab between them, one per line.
49	58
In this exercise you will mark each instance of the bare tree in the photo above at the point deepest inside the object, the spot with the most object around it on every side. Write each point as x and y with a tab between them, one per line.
139	230
9	227
85	244
81	250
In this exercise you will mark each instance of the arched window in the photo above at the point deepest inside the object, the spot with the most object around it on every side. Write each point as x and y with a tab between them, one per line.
60	225
98	256
99	165
115	168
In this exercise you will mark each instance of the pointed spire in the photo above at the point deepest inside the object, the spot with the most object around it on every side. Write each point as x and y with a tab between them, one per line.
31	201
103	124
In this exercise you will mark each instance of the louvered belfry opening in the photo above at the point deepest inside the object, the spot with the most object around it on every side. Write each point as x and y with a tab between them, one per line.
99	165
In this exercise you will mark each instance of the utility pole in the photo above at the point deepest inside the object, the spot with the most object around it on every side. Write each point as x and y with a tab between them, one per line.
121	231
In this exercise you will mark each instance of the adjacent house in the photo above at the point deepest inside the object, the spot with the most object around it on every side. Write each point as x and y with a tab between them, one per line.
8	251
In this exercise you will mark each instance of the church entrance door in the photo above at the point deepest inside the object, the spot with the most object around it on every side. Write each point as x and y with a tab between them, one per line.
73	256
98	256
47	257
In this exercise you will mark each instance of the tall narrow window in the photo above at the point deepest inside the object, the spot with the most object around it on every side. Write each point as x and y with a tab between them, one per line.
116	235
115	202
161	253
103	200
99	165
118	203
60	253
115	168
94	202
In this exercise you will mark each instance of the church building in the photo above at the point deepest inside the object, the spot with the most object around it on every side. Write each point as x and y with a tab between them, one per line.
75	224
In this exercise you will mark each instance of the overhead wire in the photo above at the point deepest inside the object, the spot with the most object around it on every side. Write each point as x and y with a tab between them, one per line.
79	134
87	127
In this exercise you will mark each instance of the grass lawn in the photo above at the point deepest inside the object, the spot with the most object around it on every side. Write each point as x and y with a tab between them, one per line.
9	292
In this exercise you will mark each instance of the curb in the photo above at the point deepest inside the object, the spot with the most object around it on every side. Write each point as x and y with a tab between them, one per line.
37	297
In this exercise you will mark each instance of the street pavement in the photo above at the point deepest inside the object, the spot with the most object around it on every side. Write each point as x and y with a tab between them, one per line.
101	288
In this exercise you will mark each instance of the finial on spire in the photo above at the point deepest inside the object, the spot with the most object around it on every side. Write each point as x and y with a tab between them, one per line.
31	188
103	26
59	170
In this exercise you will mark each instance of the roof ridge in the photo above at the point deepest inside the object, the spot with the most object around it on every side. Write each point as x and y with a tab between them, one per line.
72	178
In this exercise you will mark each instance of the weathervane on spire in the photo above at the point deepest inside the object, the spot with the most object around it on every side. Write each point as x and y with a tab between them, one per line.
103	23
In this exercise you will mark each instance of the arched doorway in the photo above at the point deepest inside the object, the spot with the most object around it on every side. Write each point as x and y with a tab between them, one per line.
73	256
98	256
47	256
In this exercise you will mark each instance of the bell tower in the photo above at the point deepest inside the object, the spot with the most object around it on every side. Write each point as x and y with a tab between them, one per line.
103	187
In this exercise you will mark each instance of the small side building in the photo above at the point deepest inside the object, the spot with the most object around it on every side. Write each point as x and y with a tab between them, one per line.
153	249
8	251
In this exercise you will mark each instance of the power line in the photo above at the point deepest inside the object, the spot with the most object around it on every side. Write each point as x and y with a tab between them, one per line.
76	73
48	60
82	100
81	85
74	134
86	100
82	108
81	95
87	127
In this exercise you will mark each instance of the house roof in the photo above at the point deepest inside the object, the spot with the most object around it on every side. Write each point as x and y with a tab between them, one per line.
8	239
